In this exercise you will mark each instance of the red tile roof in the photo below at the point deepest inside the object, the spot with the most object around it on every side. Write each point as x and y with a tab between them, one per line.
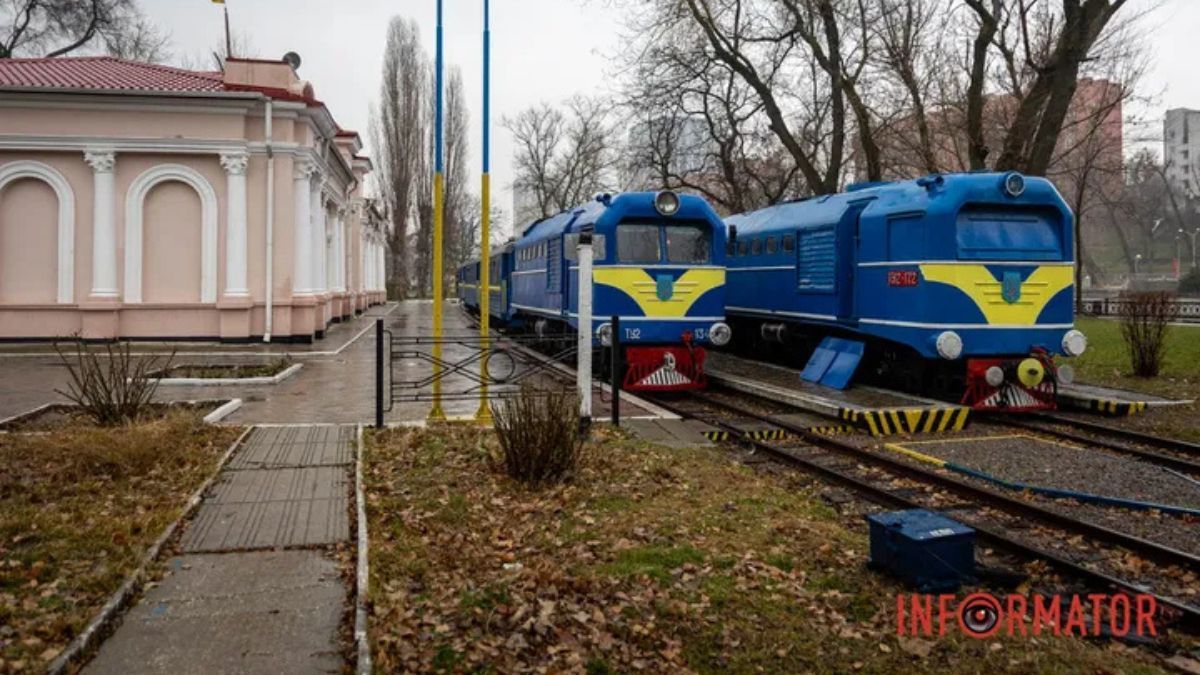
104	72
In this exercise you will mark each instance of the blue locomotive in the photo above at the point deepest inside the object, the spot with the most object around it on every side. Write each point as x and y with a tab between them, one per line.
659	265
959	283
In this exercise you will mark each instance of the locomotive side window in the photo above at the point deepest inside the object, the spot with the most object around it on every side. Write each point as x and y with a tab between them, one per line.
571	244
638	244
789	243
686	244
772	244
743	247
730	248
756	246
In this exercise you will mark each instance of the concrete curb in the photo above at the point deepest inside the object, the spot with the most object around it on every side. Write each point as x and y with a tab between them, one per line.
226	409
230	381
118	601
362	578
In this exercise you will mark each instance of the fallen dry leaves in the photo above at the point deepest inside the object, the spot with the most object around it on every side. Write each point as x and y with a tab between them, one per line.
650	560
78	509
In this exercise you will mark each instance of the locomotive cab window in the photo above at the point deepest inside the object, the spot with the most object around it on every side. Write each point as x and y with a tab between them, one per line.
638	244
789	243
686	244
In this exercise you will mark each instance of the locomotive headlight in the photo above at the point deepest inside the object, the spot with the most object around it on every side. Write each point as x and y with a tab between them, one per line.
720	333
1074	343
1065	374
1014	184
949	345
994	376
604	334
1031	372
666	203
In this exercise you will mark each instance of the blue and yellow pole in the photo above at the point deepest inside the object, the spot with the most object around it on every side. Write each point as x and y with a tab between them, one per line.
484	414
436	413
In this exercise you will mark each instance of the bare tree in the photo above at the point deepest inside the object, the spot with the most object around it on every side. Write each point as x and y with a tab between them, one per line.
398	134
459	241
61	27
941	82
563	158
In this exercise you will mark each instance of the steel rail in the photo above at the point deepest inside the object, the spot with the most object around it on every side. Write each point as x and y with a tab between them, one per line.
1189	615
1169	461
1184	447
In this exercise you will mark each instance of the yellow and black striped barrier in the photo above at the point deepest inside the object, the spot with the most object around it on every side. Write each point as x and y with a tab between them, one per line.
1104	406
753	434
888	421
834	429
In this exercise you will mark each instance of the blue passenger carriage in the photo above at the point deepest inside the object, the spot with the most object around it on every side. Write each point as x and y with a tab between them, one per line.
960	282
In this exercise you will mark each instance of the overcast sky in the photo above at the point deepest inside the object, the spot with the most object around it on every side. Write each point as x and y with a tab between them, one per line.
542	50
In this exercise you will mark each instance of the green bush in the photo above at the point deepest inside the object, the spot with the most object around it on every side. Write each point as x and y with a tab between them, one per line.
1190	283
1145	322
539	434
112	386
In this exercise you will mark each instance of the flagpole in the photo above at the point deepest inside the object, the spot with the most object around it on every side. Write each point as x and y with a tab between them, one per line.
436	413
484	415
228	41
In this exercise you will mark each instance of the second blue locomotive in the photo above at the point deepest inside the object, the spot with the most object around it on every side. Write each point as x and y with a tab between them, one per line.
960	283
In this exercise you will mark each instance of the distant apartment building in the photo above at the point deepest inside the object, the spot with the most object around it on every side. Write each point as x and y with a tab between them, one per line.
1092	133
525	208
682	145
1181	149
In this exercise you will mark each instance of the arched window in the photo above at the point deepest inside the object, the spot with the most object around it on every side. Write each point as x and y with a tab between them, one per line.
135	205
65	234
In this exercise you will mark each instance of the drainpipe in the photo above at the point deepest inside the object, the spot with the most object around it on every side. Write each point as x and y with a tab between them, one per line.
270	226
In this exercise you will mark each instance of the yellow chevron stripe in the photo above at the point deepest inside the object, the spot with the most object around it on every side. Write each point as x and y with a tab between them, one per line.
986	292
642	288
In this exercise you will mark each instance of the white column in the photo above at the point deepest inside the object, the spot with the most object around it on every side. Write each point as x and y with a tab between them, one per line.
302	179
317	205
235	224
104	223
380	269
341	251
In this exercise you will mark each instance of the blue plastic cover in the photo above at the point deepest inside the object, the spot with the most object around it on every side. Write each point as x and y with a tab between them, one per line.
833	362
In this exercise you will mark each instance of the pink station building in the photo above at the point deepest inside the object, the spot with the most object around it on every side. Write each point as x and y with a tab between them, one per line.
143	201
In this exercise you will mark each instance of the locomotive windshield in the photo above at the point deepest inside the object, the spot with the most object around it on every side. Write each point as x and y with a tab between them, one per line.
643	243
638	244
686	244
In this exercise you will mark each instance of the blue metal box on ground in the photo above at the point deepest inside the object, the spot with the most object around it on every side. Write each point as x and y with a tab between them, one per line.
924	549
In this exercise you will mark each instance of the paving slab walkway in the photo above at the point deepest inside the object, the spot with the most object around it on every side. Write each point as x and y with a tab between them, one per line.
254	589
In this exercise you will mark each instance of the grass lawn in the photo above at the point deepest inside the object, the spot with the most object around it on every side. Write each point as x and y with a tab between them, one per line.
78	509
652	560
1106	362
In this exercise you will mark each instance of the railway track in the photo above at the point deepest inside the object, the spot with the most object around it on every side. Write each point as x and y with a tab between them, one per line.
1171	453
994	515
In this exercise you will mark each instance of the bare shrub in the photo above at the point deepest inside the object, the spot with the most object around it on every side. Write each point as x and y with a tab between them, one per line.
110	385
539	434
1145	322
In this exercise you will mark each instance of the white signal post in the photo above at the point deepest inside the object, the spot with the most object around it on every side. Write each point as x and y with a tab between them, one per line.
583	367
